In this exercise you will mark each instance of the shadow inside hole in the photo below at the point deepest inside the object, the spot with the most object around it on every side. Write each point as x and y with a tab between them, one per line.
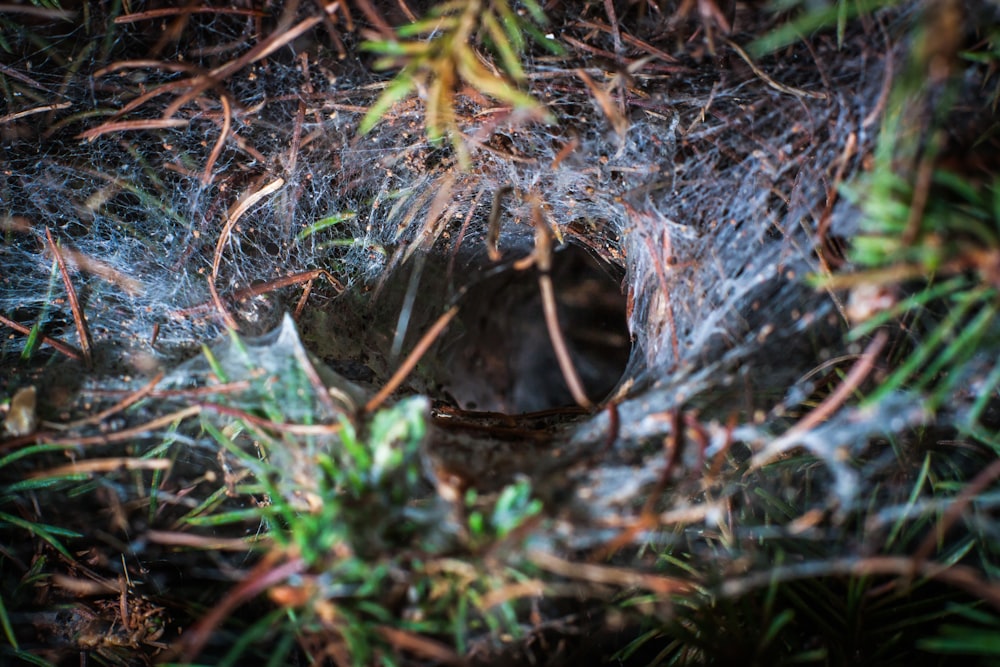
499	356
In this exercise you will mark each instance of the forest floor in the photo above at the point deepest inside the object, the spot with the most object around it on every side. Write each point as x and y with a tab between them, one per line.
499	333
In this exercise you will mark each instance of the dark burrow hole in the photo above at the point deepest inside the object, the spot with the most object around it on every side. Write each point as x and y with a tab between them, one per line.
498	355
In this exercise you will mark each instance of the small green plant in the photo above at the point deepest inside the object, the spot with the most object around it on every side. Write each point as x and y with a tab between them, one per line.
437	54
929	245
809	17
14	522
974	632
361	552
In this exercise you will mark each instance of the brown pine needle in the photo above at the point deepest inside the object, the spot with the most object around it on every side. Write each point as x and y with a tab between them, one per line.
103	270
129	433
543	258
153	14
120	406
424	647
265	574
227	121
294	429
534	588
68	350
791	90
147	124
616	33
611	111
559	342
968	495
282	35
74	303
208	543
235	213
634	41
29	112
227	318
90	466
614	576
263	288
859	371
411	360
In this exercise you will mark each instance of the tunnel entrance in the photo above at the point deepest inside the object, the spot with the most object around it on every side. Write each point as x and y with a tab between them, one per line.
498	356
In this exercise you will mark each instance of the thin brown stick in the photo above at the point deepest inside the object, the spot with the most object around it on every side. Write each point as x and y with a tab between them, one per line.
178	539
235	213
323	393
614	576
611	111
971	491
293	149
761	74
543	258
138	101
411	360
129	433
20	76
29	112
406	10
264	288
74	303
120	406
146	124
294	429
227	121
850	147
280	37
564	152
68	350
616	33
153	14
859	371
373	15
887	80
265	574
102	270
493	223
921	194
461	232
425	647
288	281
301	305
90	466
629	39
569	373
227	318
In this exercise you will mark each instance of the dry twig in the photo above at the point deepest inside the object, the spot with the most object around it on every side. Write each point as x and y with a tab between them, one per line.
411	360
543	259
68	350
74	303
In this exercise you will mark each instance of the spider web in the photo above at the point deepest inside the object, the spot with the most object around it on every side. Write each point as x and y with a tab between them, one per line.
708	203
